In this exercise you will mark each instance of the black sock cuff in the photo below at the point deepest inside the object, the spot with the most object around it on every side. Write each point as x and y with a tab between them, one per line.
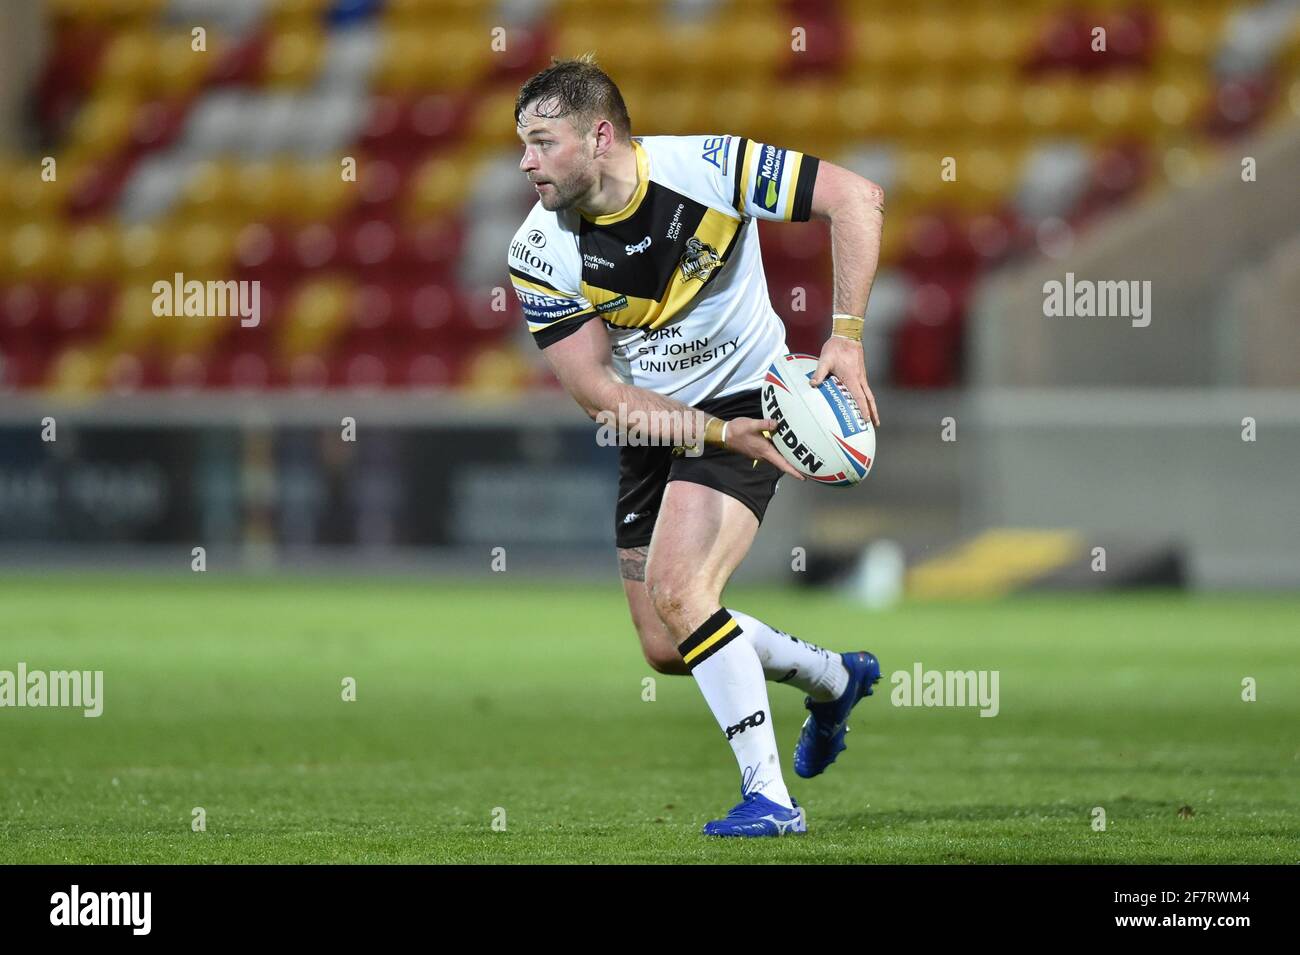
712	635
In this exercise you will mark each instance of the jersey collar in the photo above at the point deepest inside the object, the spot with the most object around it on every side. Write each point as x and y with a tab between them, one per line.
642	184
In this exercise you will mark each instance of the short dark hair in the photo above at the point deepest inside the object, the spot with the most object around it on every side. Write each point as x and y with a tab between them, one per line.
582	91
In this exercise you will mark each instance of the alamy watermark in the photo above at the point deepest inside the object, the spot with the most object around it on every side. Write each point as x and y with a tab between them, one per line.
922	687
130	909
1084	298
634	428
211	299
81	689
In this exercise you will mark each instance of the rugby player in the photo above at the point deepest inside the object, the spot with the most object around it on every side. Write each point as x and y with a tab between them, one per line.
640	276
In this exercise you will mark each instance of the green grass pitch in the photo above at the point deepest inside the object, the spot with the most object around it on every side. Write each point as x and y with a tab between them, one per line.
226	695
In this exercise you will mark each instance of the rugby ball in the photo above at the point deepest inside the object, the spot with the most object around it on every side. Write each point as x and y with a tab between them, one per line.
820	431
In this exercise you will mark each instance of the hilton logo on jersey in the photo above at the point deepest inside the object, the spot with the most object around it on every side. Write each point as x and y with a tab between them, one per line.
699	260
523	254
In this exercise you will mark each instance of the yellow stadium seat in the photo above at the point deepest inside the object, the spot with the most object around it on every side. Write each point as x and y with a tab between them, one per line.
316	316
684	109
397	67
296	12
737	109
599	10
997	42
878	42
293	58
928	108
931	39
1178	99
212	188
496	372
102	124
130	59
1056	107
179	68
28	196
1189	34
36	251
986	176
283	187
92	253
493	122
133	325
264	186
77	371
454	60
205	249
438	186
1120	107
142	249
989	107
434	13
919	176
866	110
322	192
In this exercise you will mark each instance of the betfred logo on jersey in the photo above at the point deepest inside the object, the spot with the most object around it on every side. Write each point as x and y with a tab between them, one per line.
545	308
767	183
525	256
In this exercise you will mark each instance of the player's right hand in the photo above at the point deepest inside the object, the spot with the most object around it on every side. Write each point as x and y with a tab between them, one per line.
746	437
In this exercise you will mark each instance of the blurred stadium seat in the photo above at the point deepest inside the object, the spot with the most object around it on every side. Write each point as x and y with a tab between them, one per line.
231	162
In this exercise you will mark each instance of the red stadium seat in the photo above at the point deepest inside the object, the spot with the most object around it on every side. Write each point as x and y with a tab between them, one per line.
82	311
369	245
429	246
366	369
240	64
188	372
26	313
372	315
242	370
307	372
316	246
426	370
129	372
925	355
426	311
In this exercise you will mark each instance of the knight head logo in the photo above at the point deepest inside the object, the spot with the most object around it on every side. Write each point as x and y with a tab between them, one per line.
699	260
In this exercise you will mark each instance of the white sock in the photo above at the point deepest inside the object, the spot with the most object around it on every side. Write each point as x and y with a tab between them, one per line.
818	672
729	674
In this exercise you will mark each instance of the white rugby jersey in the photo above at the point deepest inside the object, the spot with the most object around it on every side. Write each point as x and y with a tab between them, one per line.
676	275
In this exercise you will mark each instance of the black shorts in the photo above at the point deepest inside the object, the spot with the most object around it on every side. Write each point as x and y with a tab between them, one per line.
644	472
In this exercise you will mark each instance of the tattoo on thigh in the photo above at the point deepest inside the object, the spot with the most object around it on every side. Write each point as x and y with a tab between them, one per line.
631	562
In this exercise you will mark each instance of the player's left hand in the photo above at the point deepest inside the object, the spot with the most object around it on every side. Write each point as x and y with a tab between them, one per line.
843	358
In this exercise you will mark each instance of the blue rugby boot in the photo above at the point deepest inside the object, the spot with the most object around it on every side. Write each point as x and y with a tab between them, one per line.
822	737
756	815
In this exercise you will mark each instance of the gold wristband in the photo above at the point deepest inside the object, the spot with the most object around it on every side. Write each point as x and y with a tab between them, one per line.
847	326
715	431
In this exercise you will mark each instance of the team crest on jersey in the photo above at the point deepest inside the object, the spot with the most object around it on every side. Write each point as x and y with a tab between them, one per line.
699	260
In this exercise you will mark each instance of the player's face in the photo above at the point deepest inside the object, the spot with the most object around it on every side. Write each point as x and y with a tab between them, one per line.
556	160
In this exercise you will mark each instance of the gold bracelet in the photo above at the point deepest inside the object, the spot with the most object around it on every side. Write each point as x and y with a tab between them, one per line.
715	431
846	326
